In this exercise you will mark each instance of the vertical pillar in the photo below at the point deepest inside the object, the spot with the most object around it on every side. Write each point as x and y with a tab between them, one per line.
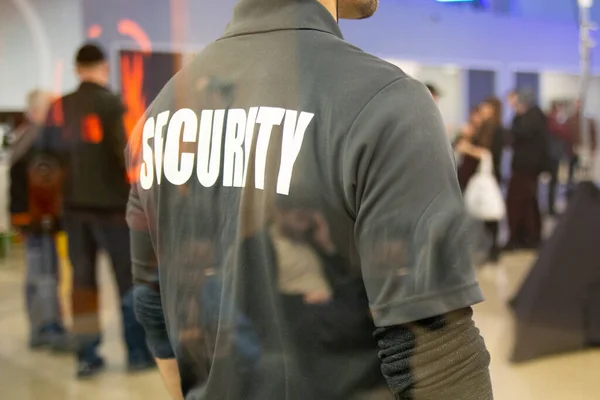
481	85
586	45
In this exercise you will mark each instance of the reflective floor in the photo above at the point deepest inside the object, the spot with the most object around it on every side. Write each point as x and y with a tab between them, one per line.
26	375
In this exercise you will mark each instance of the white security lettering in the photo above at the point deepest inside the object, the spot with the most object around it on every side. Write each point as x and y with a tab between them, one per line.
267	117
170	153
179	165
161	122
250	124
209	154
233	157
147	167
293	135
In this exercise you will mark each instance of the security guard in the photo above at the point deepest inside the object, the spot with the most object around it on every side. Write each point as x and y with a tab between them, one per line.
85	133
296	195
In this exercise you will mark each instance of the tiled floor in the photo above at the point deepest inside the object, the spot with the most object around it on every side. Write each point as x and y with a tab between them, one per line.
26	375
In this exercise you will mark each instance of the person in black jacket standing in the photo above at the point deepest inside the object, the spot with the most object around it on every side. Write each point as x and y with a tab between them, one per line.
34	213
85	131
528	136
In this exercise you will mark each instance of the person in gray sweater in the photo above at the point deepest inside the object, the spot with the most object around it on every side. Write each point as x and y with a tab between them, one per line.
282	108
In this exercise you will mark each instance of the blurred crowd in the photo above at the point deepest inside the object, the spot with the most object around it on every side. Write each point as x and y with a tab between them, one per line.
538	143
82	133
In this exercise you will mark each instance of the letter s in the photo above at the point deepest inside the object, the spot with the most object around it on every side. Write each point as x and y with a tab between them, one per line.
147	167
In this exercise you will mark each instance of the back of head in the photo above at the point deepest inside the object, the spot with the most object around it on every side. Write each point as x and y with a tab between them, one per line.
91	64
89	55
497	106
526	97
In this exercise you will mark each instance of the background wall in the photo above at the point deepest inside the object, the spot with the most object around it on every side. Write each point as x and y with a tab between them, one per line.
557	86
541	35
566	86
430	32
449	80
554	10
37	41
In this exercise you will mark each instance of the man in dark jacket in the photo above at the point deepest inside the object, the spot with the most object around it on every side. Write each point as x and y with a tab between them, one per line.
281	107
530	158
35	212
85	133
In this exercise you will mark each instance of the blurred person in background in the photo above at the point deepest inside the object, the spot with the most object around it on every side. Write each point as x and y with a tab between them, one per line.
476	118
35	213
528	136
465	146
373	158
573	124
85	132
493	133
492	138
559	144
434	92
488	140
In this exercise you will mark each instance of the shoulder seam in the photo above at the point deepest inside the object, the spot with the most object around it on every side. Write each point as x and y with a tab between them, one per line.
348	206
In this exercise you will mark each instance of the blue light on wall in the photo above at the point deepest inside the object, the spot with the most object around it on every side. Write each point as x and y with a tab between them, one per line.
479	4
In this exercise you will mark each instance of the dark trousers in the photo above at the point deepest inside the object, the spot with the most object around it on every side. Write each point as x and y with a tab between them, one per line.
88	233
552	187
492	228
524	219
573	164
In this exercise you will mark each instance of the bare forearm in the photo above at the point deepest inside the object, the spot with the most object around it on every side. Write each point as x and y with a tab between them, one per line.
438	358
170	375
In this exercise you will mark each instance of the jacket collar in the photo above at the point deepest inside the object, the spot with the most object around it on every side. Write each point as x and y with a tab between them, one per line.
256	16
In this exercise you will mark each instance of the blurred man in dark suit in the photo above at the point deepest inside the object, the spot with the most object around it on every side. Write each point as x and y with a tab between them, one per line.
529	131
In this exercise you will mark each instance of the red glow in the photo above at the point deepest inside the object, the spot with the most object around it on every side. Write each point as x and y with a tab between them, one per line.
131	28
56	114
94	31
132	80
91	129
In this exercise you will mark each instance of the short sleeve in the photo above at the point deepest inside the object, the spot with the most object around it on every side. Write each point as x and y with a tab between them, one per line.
411	231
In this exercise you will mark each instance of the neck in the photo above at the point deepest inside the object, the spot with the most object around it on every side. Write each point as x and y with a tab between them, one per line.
331	6
99	82
92	76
